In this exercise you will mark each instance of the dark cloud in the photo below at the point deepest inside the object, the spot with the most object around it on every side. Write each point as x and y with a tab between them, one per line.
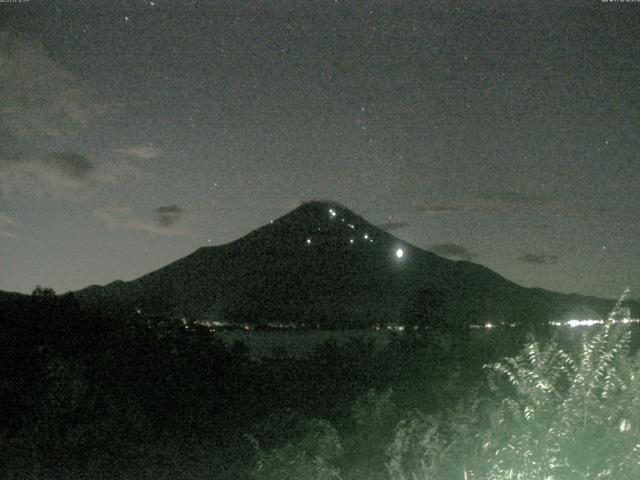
542	227
45	109
64	174
41	99
70	164
487	202
452	251
509	198
538	259
122	217
391	225
167	216
440	207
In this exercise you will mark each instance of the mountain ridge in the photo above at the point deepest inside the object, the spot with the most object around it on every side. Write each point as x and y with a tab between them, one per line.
323	264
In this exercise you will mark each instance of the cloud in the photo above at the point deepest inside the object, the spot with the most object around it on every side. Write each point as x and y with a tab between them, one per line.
508	197
141	152
452	251
487	202
390	225
65	174
40	98
542	227
538	259
44	113
167	216
121	217
70	164
10	149
6	224
440	207
502	199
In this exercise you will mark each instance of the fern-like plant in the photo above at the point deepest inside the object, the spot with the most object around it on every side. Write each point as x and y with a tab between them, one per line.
567	415
554	414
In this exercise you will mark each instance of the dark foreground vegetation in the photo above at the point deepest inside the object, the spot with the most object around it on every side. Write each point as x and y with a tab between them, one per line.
85	396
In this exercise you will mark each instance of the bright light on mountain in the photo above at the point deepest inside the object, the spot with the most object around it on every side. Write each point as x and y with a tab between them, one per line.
399	253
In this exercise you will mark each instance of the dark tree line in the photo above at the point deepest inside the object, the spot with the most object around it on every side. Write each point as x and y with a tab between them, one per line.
89	395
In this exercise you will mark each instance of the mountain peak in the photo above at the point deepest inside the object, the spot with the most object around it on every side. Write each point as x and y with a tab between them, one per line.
320	210
318	222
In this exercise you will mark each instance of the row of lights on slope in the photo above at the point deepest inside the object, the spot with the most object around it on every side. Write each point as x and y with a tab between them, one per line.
333	214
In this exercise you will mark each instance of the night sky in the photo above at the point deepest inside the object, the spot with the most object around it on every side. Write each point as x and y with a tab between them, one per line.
505	133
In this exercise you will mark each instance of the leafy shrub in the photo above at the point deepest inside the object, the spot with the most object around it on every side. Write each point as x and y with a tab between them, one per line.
554	413
309	455
568	416
435	446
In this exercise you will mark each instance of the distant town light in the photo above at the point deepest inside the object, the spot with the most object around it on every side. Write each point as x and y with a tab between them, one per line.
308	241
351	240
332	212
583	323
399	253
366	236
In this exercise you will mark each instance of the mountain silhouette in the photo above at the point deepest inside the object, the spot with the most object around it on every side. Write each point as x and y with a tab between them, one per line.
7	298
323	265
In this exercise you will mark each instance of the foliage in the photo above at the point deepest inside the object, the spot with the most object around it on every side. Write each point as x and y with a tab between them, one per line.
441	445
552	413
309	455
417	448
568	414
89	396
369	430
45	292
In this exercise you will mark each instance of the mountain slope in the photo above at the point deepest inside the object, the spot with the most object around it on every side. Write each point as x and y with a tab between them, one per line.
322	264
10	297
